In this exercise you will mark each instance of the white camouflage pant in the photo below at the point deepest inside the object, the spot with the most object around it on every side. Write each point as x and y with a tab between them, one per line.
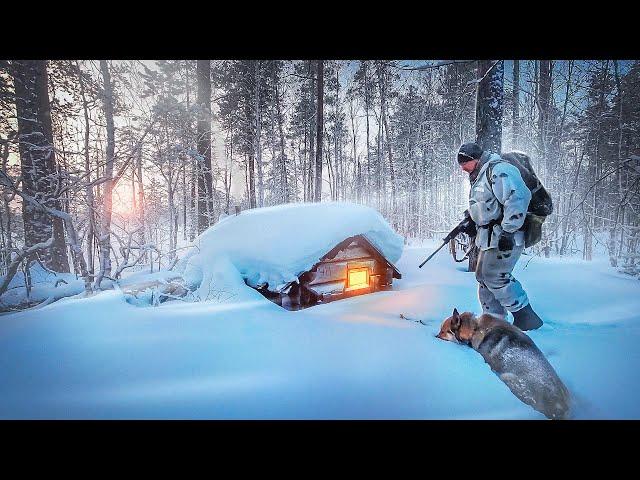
498	290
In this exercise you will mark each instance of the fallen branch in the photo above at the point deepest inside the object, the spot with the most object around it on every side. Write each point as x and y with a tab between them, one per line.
443	63
17	261
413	320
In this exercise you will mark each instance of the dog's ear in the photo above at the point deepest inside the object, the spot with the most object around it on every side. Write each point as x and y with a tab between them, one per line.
455	319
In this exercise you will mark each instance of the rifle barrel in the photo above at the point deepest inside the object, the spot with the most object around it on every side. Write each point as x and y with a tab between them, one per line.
452	234
430	256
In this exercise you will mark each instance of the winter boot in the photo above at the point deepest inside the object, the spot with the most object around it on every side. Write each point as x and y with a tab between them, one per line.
526	319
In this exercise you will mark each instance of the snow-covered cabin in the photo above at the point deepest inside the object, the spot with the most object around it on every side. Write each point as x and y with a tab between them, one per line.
300	254
353	267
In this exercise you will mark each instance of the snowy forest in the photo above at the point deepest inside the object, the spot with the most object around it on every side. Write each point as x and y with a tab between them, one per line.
242	239
113	166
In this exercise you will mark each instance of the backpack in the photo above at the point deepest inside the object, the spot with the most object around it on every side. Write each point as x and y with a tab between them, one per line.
540	205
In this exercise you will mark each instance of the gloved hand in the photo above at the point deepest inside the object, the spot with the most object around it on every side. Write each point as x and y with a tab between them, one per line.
469	227
506	241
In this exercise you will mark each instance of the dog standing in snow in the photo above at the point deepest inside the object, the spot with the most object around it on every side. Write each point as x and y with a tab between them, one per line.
514	357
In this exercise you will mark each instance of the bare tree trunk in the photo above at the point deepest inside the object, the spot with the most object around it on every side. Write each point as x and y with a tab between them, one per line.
383	114
312	132
600	146
330	172
516	104
283	154
227	175
355	155
544	122
205	197
59	261
336	138
319	131
37	159
141	209
252	183
295	169
544	97
173	217
303	165
258	134
87	170
183	183
566	102
193	204
379	142
588	238
489	104
619	212
8	246
107	202
276	170
367	102
186	157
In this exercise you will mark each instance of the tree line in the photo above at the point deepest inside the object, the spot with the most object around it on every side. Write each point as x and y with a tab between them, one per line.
115	165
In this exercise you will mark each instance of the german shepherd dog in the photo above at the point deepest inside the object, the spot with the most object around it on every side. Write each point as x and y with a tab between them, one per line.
514	357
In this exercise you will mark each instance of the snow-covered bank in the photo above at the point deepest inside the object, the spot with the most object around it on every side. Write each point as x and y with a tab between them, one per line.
247	358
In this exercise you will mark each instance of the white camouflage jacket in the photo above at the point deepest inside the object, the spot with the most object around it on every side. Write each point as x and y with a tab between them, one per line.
508	193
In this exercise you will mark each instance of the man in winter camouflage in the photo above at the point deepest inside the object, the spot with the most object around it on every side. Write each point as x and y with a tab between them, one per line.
498	206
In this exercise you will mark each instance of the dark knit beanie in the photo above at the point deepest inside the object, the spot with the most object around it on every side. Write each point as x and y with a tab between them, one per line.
469	151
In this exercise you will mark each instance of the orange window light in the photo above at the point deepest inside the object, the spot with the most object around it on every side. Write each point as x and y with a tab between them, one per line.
358	278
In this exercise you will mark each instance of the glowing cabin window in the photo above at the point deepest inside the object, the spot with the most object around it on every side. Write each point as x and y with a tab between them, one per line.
358	278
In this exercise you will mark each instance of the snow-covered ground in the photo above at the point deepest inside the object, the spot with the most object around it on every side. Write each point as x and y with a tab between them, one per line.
243	357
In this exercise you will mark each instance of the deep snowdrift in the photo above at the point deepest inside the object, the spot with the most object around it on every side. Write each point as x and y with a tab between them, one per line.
355	358
274	245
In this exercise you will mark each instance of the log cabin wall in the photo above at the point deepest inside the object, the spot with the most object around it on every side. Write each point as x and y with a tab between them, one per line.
329	279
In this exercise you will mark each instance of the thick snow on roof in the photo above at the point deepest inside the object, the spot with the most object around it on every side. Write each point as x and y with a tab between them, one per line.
276	244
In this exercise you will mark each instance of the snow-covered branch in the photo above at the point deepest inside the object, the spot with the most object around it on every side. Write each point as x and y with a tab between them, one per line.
23	254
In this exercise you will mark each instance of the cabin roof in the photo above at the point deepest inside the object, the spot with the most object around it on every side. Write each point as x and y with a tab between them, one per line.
362	240
331	254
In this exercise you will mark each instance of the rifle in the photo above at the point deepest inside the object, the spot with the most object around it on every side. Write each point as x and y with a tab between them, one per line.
464	226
